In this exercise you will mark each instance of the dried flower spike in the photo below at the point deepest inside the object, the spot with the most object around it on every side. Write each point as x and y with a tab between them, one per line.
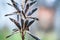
25	19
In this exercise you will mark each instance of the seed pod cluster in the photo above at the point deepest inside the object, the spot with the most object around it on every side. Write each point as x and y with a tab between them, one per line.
23	16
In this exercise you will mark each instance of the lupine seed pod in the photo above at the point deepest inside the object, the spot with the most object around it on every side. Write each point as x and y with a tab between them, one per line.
14	13
9	4
30	23
30	13
17	24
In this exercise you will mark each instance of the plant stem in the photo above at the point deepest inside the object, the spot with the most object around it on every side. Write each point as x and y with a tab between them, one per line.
23	35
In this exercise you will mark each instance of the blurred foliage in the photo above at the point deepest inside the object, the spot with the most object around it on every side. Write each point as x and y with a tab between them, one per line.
5	31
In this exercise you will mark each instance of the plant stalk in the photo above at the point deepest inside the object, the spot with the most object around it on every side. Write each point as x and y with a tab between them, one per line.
23	35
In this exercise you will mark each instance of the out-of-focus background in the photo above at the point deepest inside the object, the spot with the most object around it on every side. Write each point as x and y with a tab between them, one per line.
6	25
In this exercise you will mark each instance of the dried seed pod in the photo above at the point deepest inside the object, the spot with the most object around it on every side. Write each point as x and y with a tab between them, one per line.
14	13
9	36
34	36
26	23
9	4
27	7
26	1
16	23
22	22
31	0
15	30
30	23
17	17
32	3
33	18
30	13
15	5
